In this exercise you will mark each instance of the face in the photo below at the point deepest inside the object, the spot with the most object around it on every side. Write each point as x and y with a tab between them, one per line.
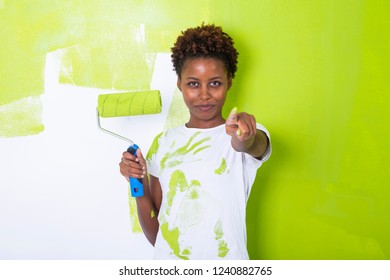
204	83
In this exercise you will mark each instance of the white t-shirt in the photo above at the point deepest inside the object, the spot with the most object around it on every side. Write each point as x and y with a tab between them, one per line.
205	187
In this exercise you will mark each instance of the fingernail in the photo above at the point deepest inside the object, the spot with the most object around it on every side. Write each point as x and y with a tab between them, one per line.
234	110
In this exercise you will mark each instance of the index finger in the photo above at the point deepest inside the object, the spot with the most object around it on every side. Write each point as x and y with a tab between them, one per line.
232	119
129	156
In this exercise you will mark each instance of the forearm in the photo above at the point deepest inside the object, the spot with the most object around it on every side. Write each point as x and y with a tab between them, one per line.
135	167
147	215
255	146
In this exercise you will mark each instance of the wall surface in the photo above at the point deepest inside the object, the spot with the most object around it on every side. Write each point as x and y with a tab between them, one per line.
315	73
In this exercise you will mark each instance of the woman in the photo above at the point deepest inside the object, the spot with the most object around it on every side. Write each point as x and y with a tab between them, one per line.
200	173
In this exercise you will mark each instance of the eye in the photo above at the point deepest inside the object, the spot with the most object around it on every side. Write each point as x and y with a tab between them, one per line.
193	84
215	83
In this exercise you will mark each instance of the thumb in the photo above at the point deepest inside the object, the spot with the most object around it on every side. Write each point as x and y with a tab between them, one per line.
139	154
231	125
140	157
142	162
232	119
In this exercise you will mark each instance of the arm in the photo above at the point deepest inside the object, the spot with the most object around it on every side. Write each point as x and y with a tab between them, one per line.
246	137
148	205
255	146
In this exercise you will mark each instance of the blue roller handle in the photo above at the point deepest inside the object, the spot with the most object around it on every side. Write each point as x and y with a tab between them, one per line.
136	187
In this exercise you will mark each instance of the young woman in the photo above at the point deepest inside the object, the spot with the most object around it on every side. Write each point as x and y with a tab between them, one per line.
200	174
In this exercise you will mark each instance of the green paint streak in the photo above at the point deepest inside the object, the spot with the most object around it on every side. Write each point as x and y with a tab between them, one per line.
200	149
186	252
175	158
135	224
152	214
222	168
154	147
172	238
172	162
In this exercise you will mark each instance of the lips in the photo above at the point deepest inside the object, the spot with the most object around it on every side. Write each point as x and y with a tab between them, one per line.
204	107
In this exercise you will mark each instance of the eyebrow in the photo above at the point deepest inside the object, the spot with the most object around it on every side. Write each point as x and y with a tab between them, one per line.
213	78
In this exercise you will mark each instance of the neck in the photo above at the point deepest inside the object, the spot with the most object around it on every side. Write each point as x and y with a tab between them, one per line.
205	124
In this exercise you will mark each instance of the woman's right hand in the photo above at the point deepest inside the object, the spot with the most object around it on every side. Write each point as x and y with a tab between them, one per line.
131	166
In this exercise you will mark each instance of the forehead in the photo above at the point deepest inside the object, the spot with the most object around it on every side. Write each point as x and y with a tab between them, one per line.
203	64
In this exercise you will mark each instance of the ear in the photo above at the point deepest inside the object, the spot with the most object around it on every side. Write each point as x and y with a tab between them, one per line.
178	83
230	82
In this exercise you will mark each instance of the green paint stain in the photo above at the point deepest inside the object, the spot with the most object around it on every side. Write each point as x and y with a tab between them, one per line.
175	158
29	30
194	194
109	61
172	238
21	118
186	252
222	168
135	224
108	45
152	214
179	182
154	147
218	230
223	249
178	112
22	75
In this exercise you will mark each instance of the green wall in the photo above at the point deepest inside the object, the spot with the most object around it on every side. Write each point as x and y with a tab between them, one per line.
315	73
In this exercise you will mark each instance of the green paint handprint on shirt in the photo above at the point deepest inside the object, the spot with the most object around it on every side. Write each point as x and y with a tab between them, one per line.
178	183
223	248
175	158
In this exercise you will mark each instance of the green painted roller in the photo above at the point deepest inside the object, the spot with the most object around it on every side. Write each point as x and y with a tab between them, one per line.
129	103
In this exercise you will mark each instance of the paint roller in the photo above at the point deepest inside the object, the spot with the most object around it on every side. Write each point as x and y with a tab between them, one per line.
128	104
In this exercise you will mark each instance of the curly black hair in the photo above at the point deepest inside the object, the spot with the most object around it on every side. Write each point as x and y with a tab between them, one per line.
204	41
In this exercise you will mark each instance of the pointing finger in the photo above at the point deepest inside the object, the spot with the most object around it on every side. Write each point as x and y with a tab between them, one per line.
232	119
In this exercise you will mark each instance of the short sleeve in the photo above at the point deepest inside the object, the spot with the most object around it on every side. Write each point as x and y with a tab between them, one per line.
152	156
267	153
251	164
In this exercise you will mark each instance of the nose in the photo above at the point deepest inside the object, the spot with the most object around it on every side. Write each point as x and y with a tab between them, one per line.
204	93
